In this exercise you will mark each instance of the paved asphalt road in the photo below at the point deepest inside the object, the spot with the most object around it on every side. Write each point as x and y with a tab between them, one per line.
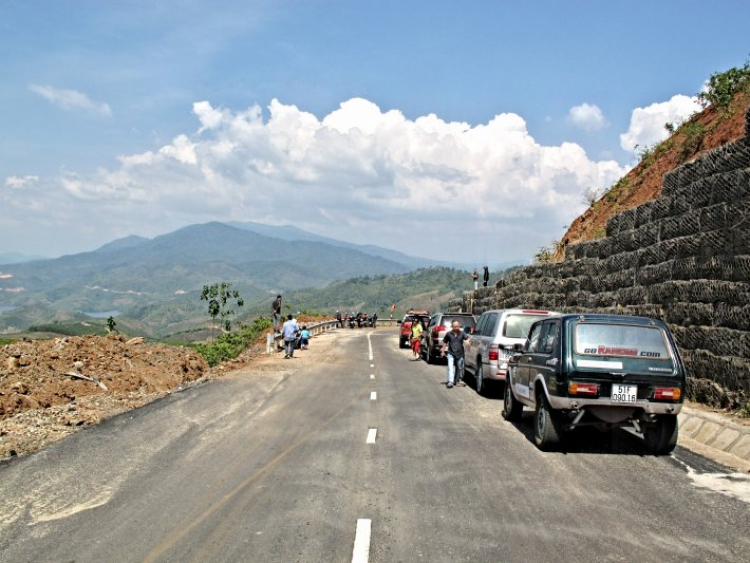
275	466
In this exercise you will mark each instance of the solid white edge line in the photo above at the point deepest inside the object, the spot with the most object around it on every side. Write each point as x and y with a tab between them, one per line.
361	552
373	395
372	433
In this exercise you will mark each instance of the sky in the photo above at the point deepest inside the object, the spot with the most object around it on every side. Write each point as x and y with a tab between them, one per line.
463	131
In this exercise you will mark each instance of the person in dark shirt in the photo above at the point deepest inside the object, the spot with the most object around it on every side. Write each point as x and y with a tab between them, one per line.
276	310
486	276
453	349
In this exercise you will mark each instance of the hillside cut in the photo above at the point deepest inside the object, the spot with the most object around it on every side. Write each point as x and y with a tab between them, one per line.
683	257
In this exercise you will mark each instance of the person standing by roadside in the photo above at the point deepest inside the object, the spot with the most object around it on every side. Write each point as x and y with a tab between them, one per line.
416	337
475	278
276	310
374	320
339	319
453	348
486	276
290	330
393	309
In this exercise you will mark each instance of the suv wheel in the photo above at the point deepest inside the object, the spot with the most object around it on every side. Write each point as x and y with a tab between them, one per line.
547	426
660	437
428	355
512	409
481	383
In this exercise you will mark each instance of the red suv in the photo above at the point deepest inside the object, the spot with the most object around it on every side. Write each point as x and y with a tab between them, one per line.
405	336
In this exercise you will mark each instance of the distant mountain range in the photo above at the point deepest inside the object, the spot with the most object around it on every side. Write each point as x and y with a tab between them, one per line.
157	282
17	258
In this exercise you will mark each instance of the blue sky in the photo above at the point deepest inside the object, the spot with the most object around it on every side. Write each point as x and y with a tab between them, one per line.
101	136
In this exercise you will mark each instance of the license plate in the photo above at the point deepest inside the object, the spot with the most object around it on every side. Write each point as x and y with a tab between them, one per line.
624	393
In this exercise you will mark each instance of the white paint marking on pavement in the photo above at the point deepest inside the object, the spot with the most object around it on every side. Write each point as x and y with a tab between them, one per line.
361	553
369	343
372	376
372	365
735	485
372	433
373	395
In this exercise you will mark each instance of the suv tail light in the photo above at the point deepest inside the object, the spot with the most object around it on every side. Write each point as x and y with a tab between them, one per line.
667	394
436	331
494	352
588	389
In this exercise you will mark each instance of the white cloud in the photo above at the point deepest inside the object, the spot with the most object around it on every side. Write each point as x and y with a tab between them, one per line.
20	182
71	100
356	167
588	117
647	124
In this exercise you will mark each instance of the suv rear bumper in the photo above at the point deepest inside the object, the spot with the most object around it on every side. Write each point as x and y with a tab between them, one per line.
578	403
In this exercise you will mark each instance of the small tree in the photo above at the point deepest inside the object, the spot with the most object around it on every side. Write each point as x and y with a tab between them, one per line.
219	297
111	324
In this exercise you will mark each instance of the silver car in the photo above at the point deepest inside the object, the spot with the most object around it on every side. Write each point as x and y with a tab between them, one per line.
491	345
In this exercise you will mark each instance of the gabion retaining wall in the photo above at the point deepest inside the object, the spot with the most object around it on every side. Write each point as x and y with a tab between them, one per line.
683	258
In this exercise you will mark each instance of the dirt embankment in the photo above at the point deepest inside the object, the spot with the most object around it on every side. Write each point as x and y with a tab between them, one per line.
43	397
710	129
41	402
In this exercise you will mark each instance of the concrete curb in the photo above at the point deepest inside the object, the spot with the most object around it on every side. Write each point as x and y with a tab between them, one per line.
715	436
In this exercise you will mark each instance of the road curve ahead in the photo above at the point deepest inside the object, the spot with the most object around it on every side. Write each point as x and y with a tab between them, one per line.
352	452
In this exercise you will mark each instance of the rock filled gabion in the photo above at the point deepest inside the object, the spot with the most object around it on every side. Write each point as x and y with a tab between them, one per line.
683	258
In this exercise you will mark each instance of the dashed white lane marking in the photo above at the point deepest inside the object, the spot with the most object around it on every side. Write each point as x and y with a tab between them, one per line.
372	376
369	343
372	365
372	433
373	395
361	553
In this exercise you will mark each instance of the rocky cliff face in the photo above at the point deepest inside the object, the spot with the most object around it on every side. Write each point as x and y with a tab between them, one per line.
683	257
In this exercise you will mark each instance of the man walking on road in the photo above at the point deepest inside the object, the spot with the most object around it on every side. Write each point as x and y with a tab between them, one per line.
453	347
290	330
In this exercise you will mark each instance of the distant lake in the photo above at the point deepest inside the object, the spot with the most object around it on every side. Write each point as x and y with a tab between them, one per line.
102	315
6	308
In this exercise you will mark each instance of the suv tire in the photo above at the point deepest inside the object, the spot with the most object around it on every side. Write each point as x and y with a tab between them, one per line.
512	409
429	356
479	380
660	437
547	425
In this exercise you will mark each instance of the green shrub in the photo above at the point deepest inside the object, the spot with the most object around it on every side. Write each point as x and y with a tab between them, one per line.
231	344
722	86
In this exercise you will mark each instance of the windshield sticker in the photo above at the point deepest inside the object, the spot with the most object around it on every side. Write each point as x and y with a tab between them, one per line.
614	351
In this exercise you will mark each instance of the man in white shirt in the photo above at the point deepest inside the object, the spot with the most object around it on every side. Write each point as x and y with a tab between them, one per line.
290	330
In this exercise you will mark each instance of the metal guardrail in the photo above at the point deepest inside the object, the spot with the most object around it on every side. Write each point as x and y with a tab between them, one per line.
274	340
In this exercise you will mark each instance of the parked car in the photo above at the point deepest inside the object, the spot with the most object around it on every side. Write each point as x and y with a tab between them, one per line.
491	345
606	371
440	323
405	333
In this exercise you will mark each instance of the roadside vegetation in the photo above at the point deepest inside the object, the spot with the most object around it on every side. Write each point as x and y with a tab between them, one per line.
231	344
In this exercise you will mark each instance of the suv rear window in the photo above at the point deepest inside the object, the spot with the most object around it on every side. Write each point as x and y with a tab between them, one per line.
621	341
463	321
517	326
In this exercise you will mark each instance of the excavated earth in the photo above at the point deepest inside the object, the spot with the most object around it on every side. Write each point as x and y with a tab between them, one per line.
43	397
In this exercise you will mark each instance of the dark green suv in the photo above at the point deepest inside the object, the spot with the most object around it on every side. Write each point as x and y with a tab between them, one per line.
606	371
